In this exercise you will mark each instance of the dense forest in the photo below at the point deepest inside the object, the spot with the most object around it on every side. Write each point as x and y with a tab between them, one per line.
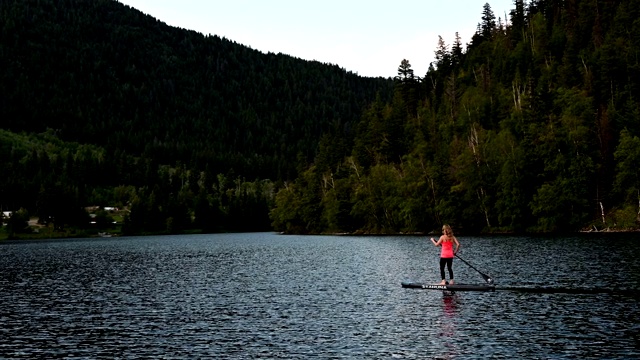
102	105
531	127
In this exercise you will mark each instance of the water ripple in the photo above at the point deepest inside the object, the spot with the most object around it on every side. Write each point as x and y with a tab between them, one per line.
239	296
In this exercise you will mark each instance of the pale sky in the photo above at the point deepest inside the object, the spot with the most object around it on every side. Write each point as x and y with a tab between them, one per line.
367	37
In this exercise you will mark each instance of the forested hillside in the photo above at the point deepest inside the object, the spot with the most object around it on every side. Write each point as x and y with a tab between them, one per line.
102	73
534	126
97	97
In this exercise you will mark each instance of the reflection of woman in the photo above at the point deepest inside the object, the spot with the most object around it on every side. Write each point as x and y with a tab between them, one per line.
448	323
450	304
447	240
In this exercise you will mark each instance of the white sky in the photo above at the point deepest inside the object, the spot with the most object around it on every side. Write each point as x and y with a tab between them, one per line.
367	37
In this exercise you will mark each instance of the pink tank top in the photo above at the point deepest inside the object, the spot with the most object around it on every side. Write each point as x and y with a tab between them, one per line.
447	249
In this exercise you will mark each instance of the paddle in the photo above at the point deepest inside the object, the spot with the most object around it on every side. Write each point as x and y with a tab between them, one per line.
486	277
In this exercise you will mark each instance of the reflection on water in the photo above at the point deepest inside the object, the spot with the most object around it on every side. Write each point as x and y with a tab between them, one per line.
270	296
448	323
450	304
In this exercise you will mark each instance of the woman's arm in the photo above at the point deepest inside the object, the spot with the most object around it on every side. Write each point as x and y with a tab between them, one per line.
455	240
436	243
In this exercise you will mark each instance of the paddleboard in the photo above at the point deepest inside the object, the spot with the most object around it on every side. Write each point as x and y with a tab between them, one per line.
454	287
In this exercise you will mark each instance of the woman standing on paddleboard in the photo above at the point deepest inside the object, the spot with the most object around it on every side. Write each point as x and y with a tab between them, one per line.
446	256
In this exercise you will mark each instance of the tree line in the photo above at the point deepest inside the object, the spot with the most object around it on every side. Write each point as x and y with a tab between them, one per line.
104	105
533	127
57	181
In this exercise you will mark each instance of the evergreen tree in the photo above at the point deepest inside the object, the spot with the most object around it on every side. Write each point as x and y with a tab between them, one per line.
488	25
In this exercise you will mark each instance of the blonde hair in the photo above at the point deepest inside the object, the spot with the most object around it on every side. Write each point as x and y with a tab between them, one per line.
447	230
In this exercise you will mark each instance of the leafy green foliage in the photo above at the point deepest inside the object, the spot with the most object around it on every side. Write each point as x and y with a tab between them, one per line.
18	222
104	105
534	127
627	158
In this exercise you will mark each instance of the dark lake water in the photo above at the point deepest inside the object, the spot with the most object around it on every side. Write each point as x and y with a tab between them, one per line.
262	295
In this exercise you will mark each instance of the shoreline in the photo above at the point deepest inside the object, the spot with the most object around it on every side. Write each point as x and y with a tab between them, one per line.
41	235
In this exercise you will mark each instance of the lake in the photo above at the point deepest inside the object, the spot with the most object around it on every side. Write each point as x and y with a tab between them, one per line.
263	295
